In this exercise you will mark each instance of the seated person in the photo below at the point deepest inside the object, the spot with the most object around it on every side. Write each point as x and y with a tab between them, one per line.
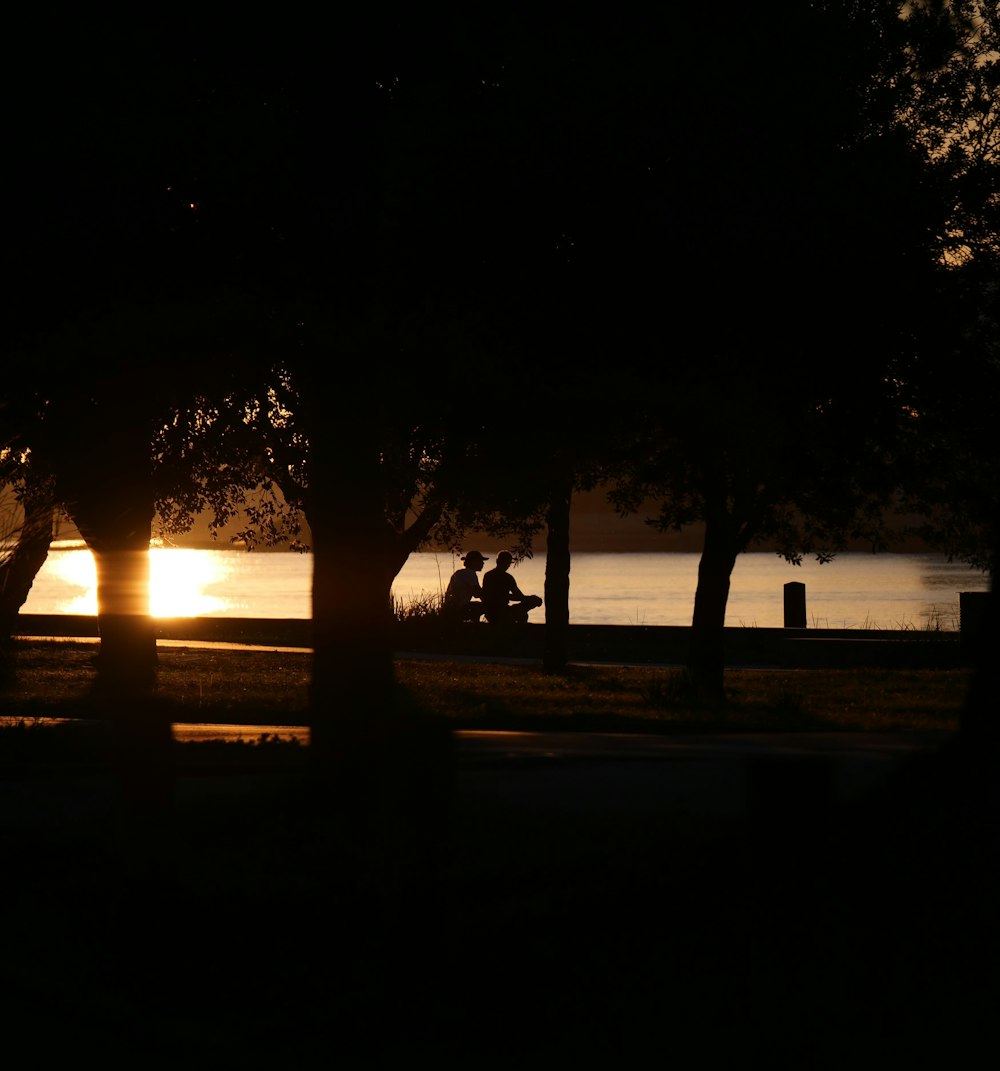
503	600
463	598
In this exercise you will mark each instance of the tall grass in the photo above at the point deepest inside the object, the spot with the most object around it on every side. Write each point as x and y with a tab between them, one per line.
935	620
423	607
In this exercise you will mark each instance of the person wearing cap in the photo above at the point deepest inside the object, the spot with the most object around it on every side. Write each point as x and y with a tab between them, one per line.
463	597
503	601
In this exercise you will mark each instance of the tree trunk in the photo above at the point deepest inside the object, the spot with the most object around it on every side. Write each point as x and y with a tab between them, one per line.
114	515
127	664
18	571
118	532
353	677
979	725
379	770
352	708
557	569
706	655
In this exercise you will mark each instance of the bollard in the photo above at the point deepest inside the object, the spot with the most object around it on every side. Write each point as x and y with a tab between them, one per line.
795	604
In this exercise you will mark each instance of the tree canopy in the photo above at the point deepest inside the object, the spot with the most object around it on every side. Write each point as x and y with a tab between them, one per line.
263	254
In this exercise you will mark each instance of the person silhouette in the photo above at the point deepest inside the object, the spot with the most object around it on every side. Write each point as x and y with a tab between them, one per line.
463	597
503	600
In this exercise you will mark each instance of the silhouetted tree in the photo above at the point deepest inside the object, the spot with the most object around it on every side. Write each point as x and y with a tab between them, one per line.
539	158
404	200
808	220
121	303
26	538
944	77
953	116
950	476
978	723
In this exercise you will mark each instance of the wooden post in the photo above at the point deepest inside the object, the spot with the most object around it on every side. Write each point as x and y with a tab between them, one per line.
795	604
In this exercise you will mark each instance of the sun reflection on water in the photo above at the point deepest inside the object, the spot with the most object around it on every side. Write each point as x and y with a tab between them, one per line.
179	580
856	591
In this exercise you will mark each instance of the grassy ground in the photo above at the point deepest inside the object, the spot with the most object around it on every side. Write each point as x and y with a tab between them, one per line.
51	679
279	926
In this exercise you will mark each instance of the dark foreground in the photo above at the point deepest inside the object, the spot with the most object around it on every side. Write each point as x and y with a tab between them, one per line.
427	909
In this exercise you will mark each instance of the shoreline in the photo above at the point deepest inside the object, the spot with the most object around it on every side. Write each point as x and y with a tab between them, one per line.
627	644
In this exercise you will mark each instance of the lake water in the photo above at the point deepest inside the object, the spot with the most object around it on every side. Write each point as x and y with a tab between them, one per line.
886	591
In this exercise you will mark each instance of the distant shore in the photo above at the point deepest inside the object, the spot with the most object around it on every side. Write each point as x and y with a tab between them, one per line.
595	528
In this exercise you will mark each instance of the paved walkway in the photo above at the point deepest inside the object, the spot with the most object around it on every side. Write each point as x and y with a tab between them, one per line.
711	774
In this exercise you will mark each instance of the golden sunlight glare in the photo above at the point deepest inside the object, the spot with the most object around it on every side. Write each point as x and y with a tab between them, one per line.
177	583
178	579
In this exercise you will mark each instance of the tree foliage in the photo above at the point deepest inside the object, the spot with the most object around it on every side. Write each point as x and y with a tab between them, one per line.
951	83
320	266
812	230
